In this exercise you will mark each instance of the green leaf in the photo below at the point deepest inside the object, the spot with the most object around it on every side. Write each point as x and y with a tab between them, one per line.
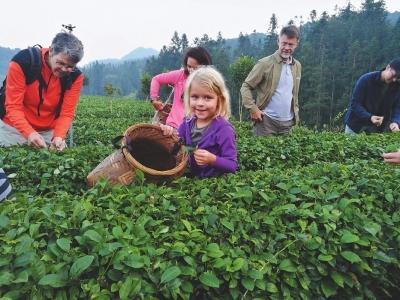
135	261
209	279
379	255
389	197
256	274
332	195
6	278
323	257
22	277
80	265
351	256
93	235
4	220
271	287
287	265
53	280
170	274
328	288
237	264
372	228
126	288
187	225
228	224
64	244
248	283
338	278
117	231
348	238
214	251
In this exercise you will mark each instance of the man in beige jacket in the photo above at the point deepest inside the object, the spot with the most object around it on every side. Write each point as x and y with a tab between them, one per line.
276	80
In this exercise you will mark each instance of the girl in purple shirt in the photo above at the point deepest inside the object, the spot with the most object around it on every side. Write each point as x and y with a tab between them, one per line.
206	127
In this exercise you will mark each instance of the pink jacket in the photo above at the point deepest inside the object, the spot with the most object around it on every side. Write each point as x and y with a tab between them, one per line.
176	78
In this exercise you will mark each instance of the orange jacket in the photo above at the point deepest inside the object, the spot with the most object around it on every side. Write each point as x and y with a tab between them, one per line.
22	101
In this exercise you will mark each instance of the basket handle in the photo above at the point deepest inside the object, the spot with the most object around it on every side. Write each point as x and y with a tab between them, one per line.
117	141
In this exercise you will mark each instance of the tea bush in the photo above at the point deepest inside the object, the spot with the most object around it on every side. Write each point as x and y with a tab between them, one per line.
307	216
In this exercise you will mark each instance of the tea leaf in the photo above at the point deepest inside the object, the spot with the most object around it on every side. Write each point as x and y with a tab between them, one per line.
170	274
209	279
80	265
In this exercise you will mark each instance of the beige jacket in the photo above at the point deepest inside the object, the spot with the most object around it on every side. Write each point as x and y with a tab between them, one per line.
264	79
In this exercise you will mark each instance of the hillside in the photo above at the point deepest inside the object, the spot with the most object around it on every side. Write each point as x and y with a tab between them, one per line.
139	53
307	216
5	56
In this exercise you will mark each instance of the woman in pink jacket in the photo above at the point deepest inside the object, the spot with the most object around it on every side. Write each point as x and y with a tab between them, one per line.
194	57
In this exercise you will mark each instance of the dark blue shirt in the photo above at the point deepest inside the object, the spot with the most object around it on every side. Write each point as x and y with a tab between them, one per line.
371	96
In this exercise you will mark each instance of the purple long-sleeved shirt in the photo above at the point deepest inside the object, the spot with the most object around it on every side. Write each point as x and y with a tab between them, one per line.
218	139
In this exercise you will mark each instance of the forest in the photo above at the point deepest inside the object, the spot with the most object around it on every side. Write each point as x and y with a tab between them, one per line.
334	51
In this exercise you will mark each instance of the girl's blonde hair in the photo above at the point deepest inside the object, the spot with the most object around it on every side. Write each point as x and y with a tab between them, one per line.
210	78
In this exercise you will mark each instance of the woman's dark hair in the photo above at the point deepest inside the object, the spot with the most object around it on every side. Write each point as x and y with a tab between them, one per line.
198	53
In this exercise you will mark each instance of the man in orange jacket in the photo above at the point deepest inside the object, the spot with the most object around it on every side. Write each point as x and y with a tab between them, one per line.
41	112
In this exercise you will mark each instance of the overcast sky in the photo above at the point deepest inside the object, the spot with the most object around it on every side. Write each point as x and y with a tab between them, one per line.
113	28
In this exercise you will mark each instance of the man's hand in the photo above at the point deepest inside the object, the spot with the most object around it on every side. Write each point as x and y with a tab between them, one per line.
377	120
256	116
203	157
58	143
35	140
392	157
394	127
157	104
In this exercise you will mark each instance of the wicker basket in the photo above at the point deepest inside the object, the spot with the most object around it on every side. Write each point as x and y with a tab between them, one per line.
160	116
115	168
154	133
119	167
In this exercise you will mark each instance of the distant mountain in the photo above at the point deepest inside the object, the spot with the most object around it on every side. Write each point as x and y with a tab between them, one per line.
5	56
393	17
140	53
136	54
254	37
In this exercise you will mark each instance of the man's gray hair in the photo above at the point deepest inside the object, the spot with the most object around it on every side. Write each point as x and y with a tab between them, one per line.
68	44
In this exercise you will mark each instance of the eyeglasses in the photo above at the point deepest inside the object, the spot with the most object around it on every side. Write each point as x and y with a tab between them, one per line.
65	66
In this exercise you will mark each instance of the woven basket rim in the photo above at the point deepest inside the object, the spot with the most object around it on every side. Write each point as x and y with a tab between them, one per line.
134	163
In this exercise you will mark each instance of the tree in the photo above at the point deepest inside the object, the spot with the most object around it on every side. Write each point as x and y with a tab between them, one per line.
238	72
272	35
145	81
111	91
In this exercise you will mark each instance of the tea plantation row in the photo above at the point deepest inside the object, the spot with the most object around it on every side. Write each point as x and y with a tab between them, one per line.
307	216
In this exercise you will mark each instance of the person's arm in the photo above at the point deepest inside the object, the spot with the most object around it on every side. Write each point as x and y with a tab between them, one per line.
359	94
67	113
162	79
15	92
395	121
227	160
296	96
251	82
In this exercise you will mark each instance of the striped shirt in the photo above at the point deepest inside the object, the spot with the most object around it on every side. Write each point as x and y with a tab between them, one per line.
5	187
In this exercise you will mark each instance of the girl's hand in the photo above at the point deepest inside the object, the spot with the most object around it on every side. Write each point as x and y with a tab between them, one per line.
157	104
203	157
167	130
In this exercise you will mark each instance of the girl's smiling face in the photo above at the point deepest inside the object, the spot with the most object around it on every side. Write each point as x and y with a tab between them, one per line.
203	103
